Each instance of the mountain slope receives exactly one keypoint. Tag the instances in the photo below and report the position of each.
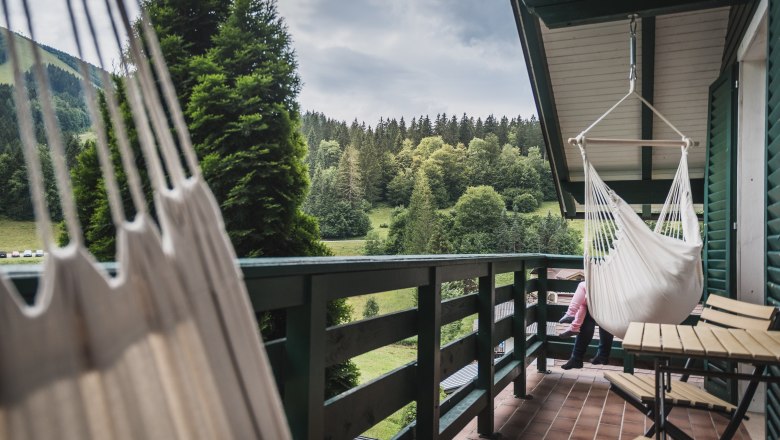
(50, 55)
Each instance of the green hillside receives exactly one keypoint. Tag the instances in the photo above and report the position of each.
(51, 56)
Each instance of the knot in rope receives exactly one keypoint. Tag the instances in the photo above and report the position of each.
(580, 140)
(688, 144)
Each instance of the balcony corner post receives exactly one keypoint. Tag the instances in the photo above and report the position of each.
(429, 356)
(485, 349)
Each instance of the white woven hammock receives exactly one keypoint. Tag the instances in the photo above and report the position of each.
(634, 273)
(169, 348)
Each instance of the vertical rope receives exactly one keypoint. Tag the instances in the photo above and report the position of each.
(155, 107)
(104, 155)
(160, 67)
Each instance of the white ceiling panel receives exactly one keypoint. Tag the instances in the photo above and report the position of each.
(588, 68)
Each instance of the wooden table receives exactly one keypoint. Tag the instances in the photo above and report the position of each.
(664, 341)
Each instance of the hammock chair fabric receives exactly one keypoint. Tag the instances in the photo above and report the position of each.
(166, 348)
(634, 273)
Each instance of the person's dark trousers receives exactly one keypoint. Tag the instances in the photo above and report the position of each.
(586, 335)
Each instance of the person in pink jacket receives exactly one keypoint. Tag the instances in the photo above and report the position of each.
(575, 315)
(579, 318)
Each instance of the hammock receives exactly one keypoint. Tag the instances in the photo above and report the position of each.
(167, 348)
(633, 273)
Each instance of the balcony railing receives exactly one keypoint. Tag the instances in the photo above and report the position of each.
(302, 287)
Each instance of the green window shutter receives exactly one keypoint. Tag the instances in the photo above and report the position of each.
(773, 198)
(719, 189)
(719, 209)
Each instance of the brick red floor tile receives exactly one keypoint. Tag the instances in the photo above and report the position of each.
(577, 405)
(563, 424)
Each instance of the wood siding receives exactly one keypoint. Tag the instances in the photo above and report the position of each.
(589, 73)
(739, 20)
(687, 60)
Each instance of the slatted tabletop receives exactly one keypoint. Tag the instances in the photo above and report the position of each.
(703, 341)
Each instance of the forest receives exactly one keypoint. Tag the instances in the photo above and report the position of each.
(457, 185)
(72, 116)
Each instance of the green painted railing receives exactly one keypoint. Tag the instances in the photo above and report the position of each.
(302, 287)
(301, 358)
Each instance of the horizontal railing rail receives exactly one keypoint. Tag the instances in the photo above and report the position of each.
(303, 287)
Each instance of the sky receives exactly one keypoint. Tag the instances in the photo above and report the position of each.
(367, 58)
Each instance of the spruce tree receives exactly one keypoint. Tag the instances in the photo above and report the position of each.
(465, 130)
(185, 29)
(246, 123)
(421, 217)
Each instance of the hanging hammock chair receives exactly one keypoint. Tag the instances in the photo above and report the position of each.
(633, 273)
(168, 347)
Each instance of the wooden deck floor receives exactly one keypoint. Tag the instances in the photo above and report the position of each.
(577, 405)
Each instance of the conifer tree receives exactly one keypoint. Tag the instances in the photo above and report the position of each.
(421, 217)
(450, 134)
(371, 167)
(245, 121)
(465, 130)
(349, 180)
(185, 29)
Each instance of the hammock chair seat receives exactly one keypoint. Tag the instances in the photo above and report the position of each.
(646, 276)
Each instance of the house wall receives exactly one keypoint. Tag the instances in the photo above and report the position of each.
(772, 201)
(751, 160)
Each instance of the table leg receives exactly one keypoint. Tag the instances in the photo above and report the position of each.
(659, 403)
(739, 413)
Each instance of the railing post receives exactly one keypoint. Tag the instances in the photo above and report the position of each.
(518, 329)
(304, 391)
(428, 356)
(486, 371)
(541, 313)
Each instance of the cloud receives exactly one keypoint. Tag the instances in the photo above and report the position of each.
(366, 59)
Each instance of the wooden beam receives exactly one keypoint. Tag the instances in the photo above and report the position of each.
(638, 191)
(529, 30)
(563, 13)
